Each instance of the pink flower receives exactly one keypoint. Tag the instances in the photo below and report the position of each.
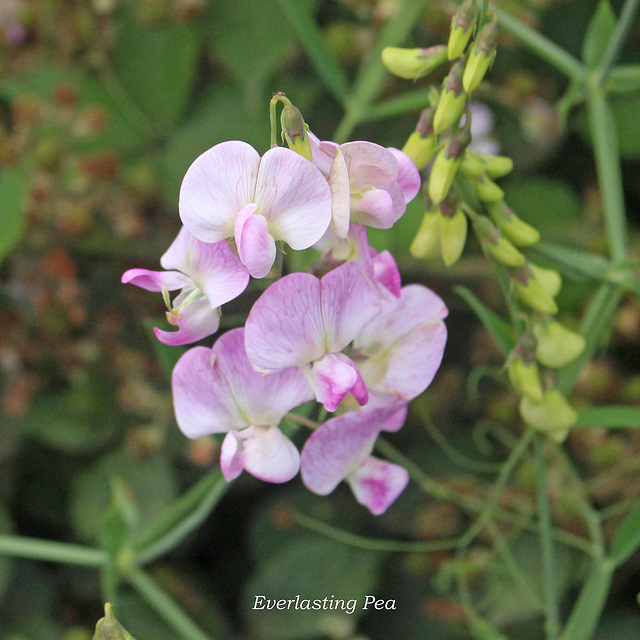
(218, 391)
(231, 192)
(208, 275)
(306, 322)
(370, 184)
(341, 450)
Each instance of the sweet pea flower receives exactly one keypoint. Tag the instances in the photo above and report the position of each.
(231, 192)
(218, 391)
(341, 450)
(370, 184)
(208, 275)
(303, 321)
(399, 352)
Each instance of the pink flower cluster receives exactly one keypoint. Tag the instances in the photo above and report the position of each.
(354, 339)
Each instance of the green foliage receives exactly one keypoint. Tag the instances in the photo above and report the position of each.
(599, 33)
(13, 189)
(627, 538)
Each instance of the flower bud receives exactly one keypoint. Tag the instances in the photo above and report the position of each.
(497, 166)
(452, 100)
(294, 131)
(453, 230)
(472, 165)
(554, 415)
(532, 293)
(488, 190)
(461, 28)
(421, 145)
(426, 244)
(447, 162)
(481, 56)
(496, 244)
(522, 369)
(550, 279)
(557, 345)
(412, 64)
(108, 628)
(518, 231)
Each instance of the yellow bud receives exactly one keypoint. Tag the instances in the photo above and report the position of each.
(550, 279)
(420, 150)
(443, 172)
(481, 57)
(489, 191)
(525, 378)
(497, 166)
(518, 231)
(532, 293)
(452, 100)
(503, 251)
(453, 235)
(426, 244)
(471, 165)
(557, 345)
(412, 64)
(461, 29)
(554, 415)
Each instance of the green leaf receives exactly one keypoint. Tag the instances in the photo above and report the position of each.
(119, 519)
(621, 417)
(499, 329)
(156, 66)
(627, 538)
(625, 78)
(13, 188)
(599, 33)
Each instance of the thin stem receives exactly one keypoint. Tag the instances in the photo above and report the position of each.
(307, 422)
(407, 102)
(619, 37)
(165, 606)
(550, 577)
(35, 549)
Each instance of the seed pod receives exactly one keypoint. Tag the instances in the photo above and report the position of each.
(461, 28)
(532, 293)
(554, 415)
(496, 244)
(518, 231)
(452, 100)
(482, 55)
(489, 191)
(426, 244)
(453, 230)
(421, 144)
(412, 64)
(557, 345)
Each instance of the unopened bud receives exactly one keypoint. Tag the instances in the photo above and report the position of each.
(518, 231)
(481, 56)
(554, 415)
(453, 231)
(446, 164)
(421, 144)
(550, 279)
(496, 244)
(412, 64)
(295, 132)
(497, 166)
(461, 28)
(488, 190)
(108, 628)
(523, 369)
(532, 293)
(452, 100)
(472, 165)
(557, 345)
(426, 244)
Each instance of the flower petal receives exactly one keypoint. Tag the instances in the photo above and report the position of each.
(386, 273)
(376, 484)
(369, 164)
(285, 328)
(374, 208)
(339, 447)
(197, 320)
(294, 197)
(155, 280)
(332, 377)
(269, 455)
(256, 247)
(231, 462)
(341, 194)
(216, 186)
(349, 303)
(408, 175)
(323, 153)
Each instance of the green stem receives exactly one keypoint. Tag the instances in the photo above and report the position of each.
(165, 606)
(624, 79)
(550, 577)
(619, 37)
(372, 76)
(35, 549)
(407, 102)
(542, 46)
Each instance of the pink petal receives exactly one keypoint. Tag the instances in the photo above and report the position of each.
(376, 484)
(386, 273)
(332, 377)
(231, 462)
(294, 197)
(339, 447)
(270, 456)
(369, 164)
(285, 327)
(323, 153)
(374, 208)
(197, 320)
(408, 175)
(176, 257)
(216, 186)
(349, 303)
(256, 248)
(155, 280)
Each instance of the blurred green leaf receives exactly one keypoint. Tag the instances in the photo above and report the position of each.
(314, 569)
(498, 328)
(13, 188)
(6, 564)
(156, 66)
(599, 33)
(150, 481)
(625, 417)
(627, 538)
(118, 520)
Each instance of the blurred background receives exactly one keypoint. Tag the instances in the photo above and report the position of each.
(103, 106)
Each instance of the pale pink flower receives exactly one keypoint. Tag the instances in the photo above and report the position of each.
(231, 192)
(218, 391)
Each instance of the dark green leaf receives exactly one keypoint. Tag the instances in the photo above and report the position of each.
(13, 187)
(627, 538)
(624, 417)
(599, 33)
